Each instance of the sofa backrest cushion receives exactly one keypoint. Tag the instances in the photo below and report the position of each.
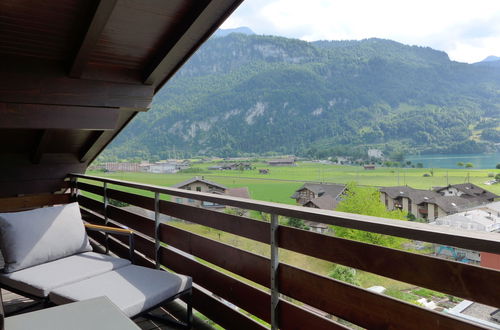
(34, 237)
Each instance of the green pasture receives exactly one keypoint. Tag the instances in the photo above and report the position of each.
(281, 182)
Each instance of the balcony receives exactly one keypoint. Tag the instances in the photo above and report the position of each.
(235, 287)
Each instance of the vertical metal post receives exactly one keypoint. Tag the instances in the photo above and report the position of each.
(74, 190)
(106, 202)
(274, 271)
(157, 229)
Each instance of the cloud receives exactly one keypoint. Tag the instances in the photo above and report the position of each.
(467, 30)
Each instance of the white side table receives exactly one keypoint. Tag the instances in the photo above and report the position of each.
(97, 313)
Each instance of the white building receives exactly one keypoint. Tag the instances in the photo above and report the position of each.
(375, 153)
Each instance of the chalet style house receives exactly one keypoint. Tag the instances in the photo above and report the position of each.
(439, 202)
(319, 195)
(201, 185)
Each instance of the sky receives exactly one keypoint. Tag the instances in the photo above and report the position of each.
(468, 31)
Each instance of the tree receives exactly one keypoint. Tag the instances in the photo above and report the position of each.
(420, 165)
(469, 165)
(498, 166)
(345, 274)
(497, 177)
(460, 164)
(366, 201)
(297, 223)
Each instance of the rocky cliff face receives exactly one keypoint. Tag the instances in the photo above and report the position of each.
(253, 94)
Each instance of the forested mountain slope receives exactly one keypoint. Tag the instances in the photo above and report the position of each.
(254, 94)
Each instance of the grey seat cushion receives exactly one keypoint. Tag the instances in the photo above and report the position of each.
(42, 279)
(34, 237)
(134, 289)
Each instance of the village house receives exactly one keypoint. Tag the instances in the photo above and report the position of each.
(120, 167)
(202, 185)
(370, 167)
(468, 191)
(320, 196)
(282, 162)
(430, 204)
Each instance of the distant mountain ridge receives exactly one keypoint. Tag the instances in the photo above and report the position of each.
(492, 61)
(242, 30)
(254, 94)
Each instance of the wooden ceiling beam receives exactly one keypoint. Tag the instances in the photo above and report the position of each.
(28, 80)
(205, 21)
(101, 17)
(42, 144)
(43, 116)
(89, 149)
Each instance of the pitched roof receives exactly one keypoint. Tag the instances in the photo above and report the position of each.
(470, 190)
(417, 196)
(319, 189)
(325, 202)
(198, 179)
(454, 204)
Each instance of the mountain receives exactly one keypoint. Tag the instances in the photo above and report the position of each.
(243, 94)
(492, 61)
(241, 29)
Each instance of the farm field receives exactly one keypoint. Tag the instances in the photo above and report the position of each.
(281, 182)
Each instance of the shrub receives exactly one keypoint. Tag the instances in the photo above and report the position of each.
(345, 274)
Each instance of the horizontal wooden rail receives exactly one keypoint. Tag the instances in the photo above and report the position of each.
(293, 317)
(233, 224)
(130, 198)
(98, 190)
(248, 298)
(136, 222)
(442, 275)
(367, 309)
(91, 204)
(240, 262)
(309, 288)
(473, 240)
(224, 315)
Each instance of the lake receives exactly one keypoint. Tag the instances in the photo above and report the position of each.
(480, 161)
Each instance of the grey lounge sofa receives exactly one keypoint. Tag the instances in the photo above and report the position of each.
(48, 257)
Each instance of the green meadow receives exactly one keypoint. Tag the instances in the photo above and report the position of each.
(281, 182)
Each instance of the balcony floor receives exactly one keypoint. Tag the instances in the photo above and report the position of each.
(13, 302)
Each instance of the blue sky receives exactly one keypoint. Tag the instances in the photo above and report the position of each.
(468, 31)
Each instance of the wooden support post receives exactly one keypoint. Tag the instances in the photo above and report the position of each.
(157, 229)
(106, 220)
(274, 271)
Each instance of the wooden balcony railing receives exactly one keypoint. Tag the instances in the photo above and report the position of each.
(281, 285)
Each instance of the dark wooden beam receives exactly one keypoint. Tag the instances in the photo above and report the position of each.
(34, 81)
(101, 17)
(88, 150)
(206, 19)
(44, 116)
(41, 146)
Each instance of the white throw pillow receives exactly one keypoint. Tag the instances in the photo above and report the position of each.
(34, 237)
